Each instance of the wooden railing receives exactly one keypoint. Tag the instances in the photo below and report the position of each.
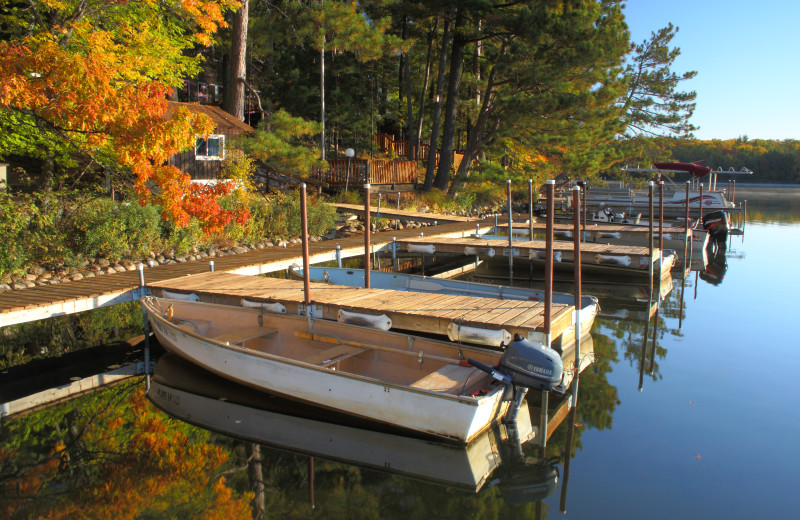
(387, 143)
(357, 172)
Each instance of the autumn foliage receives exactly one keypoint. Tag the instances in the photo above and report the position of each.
(89, 79)
(127, 460)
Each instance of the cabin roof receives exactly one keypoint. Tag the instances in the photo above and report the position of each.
(221, 118)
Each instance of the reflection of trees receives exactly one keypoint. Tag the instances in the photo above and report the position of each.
(110, 454)
(55, 336)
(630, 335)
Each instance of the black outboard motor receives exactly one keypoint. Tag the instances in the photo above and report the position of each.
(527, 364)
(716, 225)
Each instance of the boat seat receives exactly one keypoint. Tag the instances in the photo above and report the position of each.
(450, 379)
(333, 355)
(240, 336)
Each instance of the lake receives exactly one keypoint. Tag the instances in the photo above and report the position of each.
(688, 415)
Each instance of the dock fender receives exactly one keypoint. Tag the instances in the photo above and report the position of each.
(191, 297)
(380, 322)
(421, 248)
(480, 336)
(623, 260)
(474, 251)
(607, 234)
(266, 306)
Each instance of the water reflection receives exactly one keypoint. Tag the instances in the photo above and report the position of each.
(197, 397)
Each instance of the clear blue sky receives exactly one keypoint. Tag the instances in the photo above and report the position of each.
(747, 57)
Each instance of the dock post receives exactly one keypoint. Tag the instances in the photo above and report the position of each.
(211, 265)
(543, 419)
(397, 220)
(650, 221)
(146, 325)
(548, 261)
(660, 234)
(378, 211)
(530, 209)
(306, 274)
(700, 205)
(576, 225)
(686, 232)
(338, 255)
(367, 232)
(510, 238)
(394, 254)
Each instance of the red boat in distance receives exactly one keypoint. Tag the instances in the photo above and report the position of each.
(698, 170)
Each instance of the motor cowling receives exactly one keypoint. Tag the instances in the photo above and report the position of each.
(532, 365)
(716, 223)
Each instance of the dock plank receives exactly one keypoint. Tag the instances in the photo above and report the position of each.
(408, 310)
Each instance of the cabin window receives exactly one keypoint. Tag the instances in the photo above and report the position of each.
(210, 149)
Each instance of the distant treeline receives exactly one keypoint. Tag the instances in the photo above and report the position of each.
(772, 161)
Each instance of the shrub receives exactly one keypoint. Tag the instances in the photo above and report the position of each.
(112, 230)
(281, 216)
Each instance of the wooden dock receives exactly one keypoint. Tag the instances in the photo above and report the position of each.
(388, 212)
(43, 302)
(421, 312)
(598, 257)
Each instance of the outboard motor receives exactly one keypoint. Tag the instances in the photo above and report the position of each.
(716, 225)
(613, 216)
(527, 364)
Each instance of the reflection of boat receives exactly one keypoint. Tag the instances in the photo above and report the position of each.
(408, 282)
(410, 382)
(715, 264)
(200, 398)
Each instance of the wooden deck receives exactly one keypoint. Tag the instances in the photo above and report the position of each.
(624, 229)
(42, 302)
(388, 212)
(423, 312)
(532, 249)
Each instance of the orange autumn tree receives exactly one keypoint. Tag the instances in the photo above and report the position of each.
(85, 82)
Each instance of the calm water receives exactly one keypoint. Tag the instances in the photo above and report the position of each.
(703, 425)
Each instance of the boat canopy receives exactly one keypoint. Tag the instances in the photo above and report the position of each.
(698, 170)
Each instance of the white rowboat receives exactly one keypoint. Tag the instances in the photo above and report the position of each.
(405, 381)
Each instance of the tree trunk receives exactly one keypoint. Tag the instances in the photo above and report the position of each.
(234, 95)
(449, 129)
(424, 91)
(437, 107)
(478, 135)
(409, 102)
(256, 475)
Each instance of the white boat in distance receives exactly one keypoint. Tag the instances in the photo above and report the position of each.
(404, 381)
(410, 282)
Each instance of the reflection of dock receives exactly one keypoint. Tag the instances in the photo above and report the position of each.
(424, 312)
(46, 382)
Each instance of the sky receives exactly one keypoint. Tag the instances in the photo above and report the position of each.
(747, 58)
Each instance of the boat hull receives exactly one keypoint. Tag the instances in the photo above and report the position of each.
(456, 417)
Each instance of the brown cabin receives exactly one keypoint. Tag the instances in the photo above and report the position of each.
(204, 161)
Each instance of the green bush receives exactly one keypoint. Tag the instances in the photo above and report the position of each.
(182, 240)
(15, 217)
(112, 230)
(281, 216)
(34, 230)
